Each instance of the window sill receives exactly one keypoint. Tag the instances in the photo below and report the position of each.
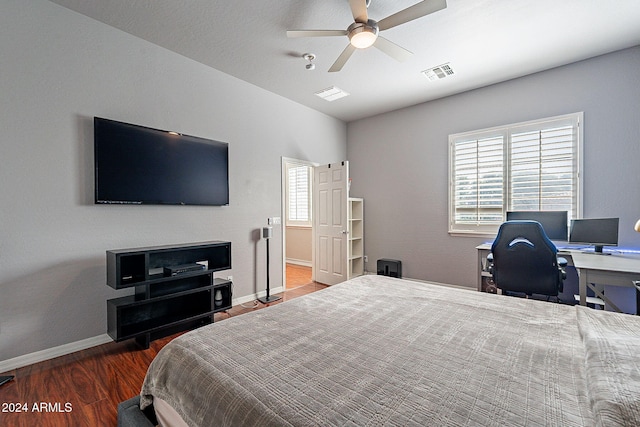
(478, 234)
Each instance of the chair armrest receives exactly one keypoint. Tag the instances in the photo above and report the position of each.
(562, 263)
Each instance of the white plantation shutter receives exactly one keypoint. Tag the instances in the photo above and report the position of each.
(478, 177)
(543, 169)
(528, 166)
(298, 209)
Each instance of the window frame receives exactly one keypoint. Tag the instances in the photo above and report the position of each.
(490, 228)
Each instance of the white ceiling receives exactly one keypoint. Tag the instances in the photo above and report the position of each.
(485, 42)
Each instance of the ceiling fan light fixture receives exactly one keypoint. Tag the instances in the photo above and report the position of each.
(363, 34)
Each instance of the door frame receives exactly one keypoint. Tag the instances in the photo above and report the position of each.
(283, 215)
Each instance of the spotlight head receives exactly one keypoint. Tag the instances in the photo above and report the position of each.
(310, 66)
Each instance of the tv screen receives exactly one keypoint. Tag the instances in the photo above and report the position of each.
(140, 165)
(598, 232)
(554, 223)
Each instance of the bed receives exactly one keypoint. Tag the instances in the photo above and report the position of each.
(377, 350)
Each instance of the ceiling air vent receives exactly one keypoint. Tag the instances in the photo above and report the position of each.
(332, 93)
(439, 72)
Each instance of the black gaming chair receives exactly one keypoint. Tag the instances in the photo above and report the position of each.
(524, 260)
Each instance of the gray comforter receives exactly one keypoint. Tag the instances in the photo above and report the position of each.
(382, 351)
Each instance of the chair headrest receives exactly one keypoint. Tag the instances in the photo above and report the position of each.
(526, 232)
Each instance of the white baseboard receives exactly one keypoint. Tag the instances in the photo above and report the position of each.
(50, 353)
(253, 297)
(300, 262)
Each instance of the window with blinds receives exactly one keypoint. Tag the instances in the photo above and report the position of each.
(298, 195)
(525, 166)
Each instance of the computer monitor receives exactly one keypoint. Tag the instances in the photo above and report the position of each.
(554, 223)
(597, 232)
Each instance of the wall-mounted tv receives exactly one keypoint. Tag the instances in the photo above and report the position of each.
(140, 165)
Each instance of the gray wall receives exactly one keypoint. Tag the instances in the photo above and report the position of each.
(58, 69)
(399, 160)
(298, 245)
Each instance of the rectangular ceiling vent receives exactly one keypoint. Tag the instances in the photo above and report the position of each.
(332, 93)
(439, 72)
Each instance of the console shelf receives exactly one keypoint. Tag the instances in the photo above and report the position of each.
(174, 289)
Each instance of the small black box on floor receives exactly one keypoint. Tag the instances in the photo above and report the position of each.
(390, 267)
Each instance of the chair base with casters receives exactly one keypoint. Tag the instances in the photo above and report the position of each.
(523, 260)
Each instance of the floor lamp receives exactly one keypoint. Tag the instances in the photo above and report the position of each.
(266, 234)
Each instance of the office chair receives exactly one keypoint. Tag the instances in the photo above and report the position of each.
(524, 260)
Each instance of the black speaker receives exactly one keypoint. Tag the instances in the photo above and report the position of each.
(488, 285)
(390, 267)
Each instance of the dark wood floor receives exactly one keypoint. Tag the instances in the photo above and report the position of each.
(84, 388)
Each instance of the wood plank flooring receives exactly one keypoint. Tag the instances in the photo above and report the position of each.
(84, 388)
(297, 275)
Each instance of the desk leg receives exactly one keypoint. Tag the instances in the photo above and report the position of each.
(582, 286)
(583, 282)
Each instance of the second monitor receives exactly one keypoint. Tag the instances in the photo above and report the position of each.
(598, 232)
(554, 223)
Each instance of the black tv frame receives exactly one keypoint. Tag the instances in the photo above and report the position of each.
(139, 165)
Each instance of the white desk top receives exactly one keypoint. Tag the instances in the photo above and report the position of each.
(626, 263)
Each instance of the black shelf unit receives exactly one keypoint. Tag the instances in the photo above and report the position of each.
(165, 304)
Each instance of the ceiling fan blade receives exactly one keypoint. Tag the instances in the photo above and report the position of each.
(342, 59)
(393, 50)
(416, 11)
(315, 33)
(359, 10)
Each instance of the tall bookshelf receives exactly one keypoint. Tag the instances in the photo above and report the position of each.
(356, 237)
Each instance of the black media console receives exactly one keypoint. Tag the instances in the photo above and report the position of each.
(174, 289)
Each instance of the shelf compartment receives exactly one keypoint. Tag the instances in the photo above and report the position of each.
(217, 257)
(131, 267)
(357, 266)
(175, 284)
(356, 248)
(129, 270)
(226, 289)
(128, 317)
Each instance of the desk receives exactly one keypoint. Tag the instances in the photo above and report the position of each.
(617, 269)
(613, 270)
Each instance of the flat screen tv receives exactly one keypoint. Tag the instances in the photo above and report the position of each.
(141, 165)
(554, 223)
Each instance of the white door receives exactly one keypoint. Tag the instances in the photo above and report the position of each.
(330, 222)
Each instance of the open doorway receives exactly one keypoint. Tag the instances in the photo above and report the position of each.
(297, 181)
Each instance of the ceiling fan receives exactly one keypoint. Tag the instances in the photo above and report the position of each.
(363, 33)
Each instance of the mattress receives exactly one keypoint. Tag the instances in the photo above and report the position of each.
(376, 351)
